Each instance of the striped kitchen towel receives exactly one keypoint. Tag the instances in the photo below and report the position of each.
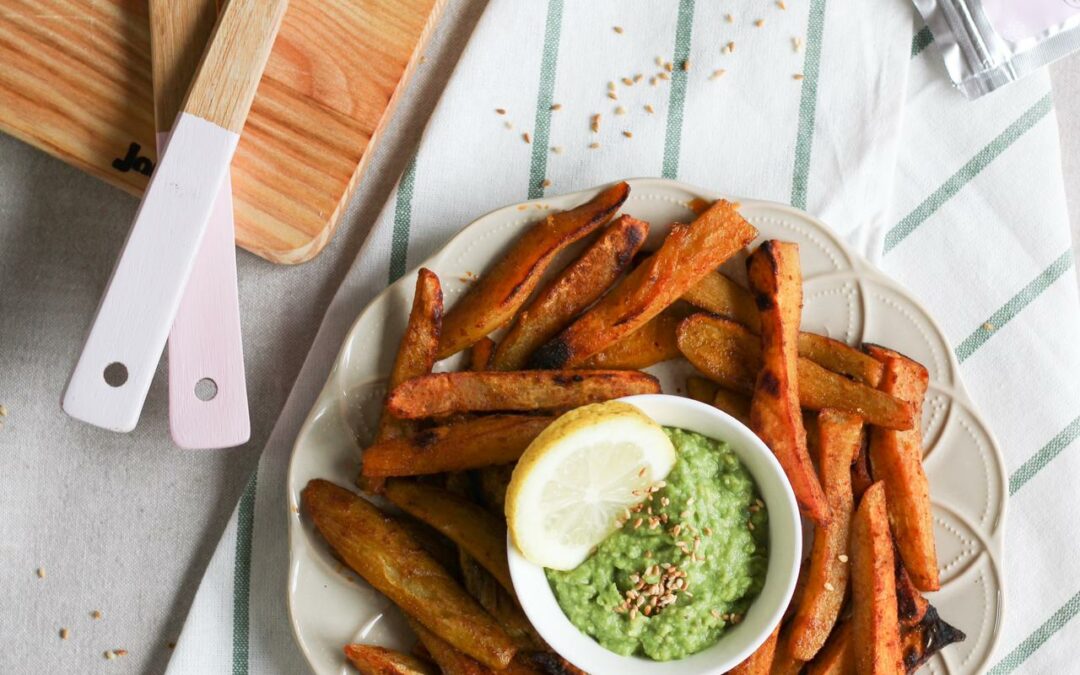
(842, 109)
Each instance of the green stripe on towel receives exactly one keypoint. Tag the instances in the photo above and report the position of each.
(245, 520)
(921, 41)
(1044, 456)
(1037, 639)
(544, 98)
(399, 240)
(804, 142)
(677, 100)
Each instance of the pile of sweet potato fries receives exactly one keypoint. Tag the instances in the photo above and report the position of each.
(842, 421)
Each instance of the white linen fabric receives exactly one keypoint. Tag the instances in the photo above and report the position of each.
(835, 108)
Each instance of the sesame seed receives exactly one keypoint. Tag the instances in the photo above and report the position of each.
(95, 615)
(781, 4)
(690, 501)
(661, 484)
(731, 47)
(110, 655)
(628, 82)
(613, 96)
(652, 81)
(988, 327)
(557, 149)
(668, 67)
(611, 86)
(594, 123)
(649, 109)
(842, 558)
(676, 530)
(500, 111)
(64, 633)
(730, 18)
(637, 78)
(797, 44)
(628, 134)
(556, 106)
(594, 145)
(41, 572)
(664, 501)
(829, 587)
(641, 472)
(759, 23)
(617, 29)
(620, 110)
(545, 183)
(685, 514)
(798, 76)
(663, 75)
(715, 613)
(750, 525)
(509, 124)
(686, 65)
(718, 73)
(526, 137)
(760, 504)
(3, 410)
(637, 523)
(707, 531)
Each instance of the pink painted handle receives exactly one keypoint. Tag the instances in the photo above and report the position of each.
(208, 405)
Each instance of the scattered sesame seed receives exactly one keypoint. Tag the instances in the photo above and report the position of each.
(781, 4)
(759, 23)
(509, 124)
(760, 504)
(594, 123)
(557, 149)
(556, 106)
(637, 523)
(797, 44)
(110, 655)
(3, 410)
(171, 645)
(637, 78)
(731, 47)
(750, 525)
(500, 111)
(95, 615)
(707, 531)
(627, 81)
(64, 633)
(685, 514)
(620, 110)
(594, 145)
(652, 81)
(611, 86)
(988, 326)
(545, 183)
(798, 76)
(690, 501)
(642, 471)
(663, 75)
(686, 66)
(617, 29)
(715, 613)
(842, 558)
(613, 96)
(661, 483)
(628, 134)
(718, 73)
(829, 587)
(526, 137)
(668, 66)
(730, 18)
(649, 109)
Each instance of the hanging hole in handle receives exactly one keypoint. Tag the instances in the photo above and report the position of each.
(206, 389)
(116, 374)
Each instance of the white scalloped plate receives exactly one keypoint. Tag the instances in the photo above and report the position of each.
(845, 298)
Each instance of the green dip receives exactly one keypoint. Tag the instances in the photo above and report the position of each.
(709, 495)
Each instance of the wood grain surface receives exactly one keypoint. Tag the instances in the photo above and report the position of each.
(179, 32)
(76, 82)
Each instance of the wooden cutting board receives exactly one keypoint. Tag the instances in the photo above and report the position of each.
(75, 82)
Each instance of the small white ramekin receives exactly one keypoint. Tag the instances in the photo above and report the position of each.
(785, 552)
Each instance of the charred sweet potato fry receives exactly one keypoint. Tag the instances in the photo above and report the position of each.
(470, 444)
(775, 415)
(688, 253)
(911, 606)
(730, 355)
(377, 548)
(760, 662)
(717, 294)
(926, 638)
(896, 459)
(576, 287)
(875, 624)
(471, 527)
(372, 660)
(492, 301)
(652, 343)
(733, 403)
(480, 354)
(839, 438)
(835, 657)
(445, 393)
(415, 357)
(861, 476)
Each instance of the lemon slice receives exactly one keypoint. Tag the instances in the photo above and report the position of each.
(578, 478)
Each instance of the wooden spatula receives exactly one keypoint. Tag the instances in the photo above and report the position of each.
(109, 383)
(207, 393)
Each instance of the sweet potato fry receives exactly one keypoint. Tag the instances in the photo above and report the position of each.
(927, 637)
(470, 444)
(784, 663)
(576, 287)
(735, 404)
(835, 657)
(875, 624)
(453, 662)
(471, 527)
(911, 606)
(861, 476)
(492, 301)
(480, 354)
(729, 355)
(719, 295)
(383, 553)
(415, 357)
(446, 393)
(372, 660)
(688, 253)
(486, 589)
(839, 438)
(775, 416)
(652, 343)
(896, 459)
(840, 358)
(760, 662)
(701, 389)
